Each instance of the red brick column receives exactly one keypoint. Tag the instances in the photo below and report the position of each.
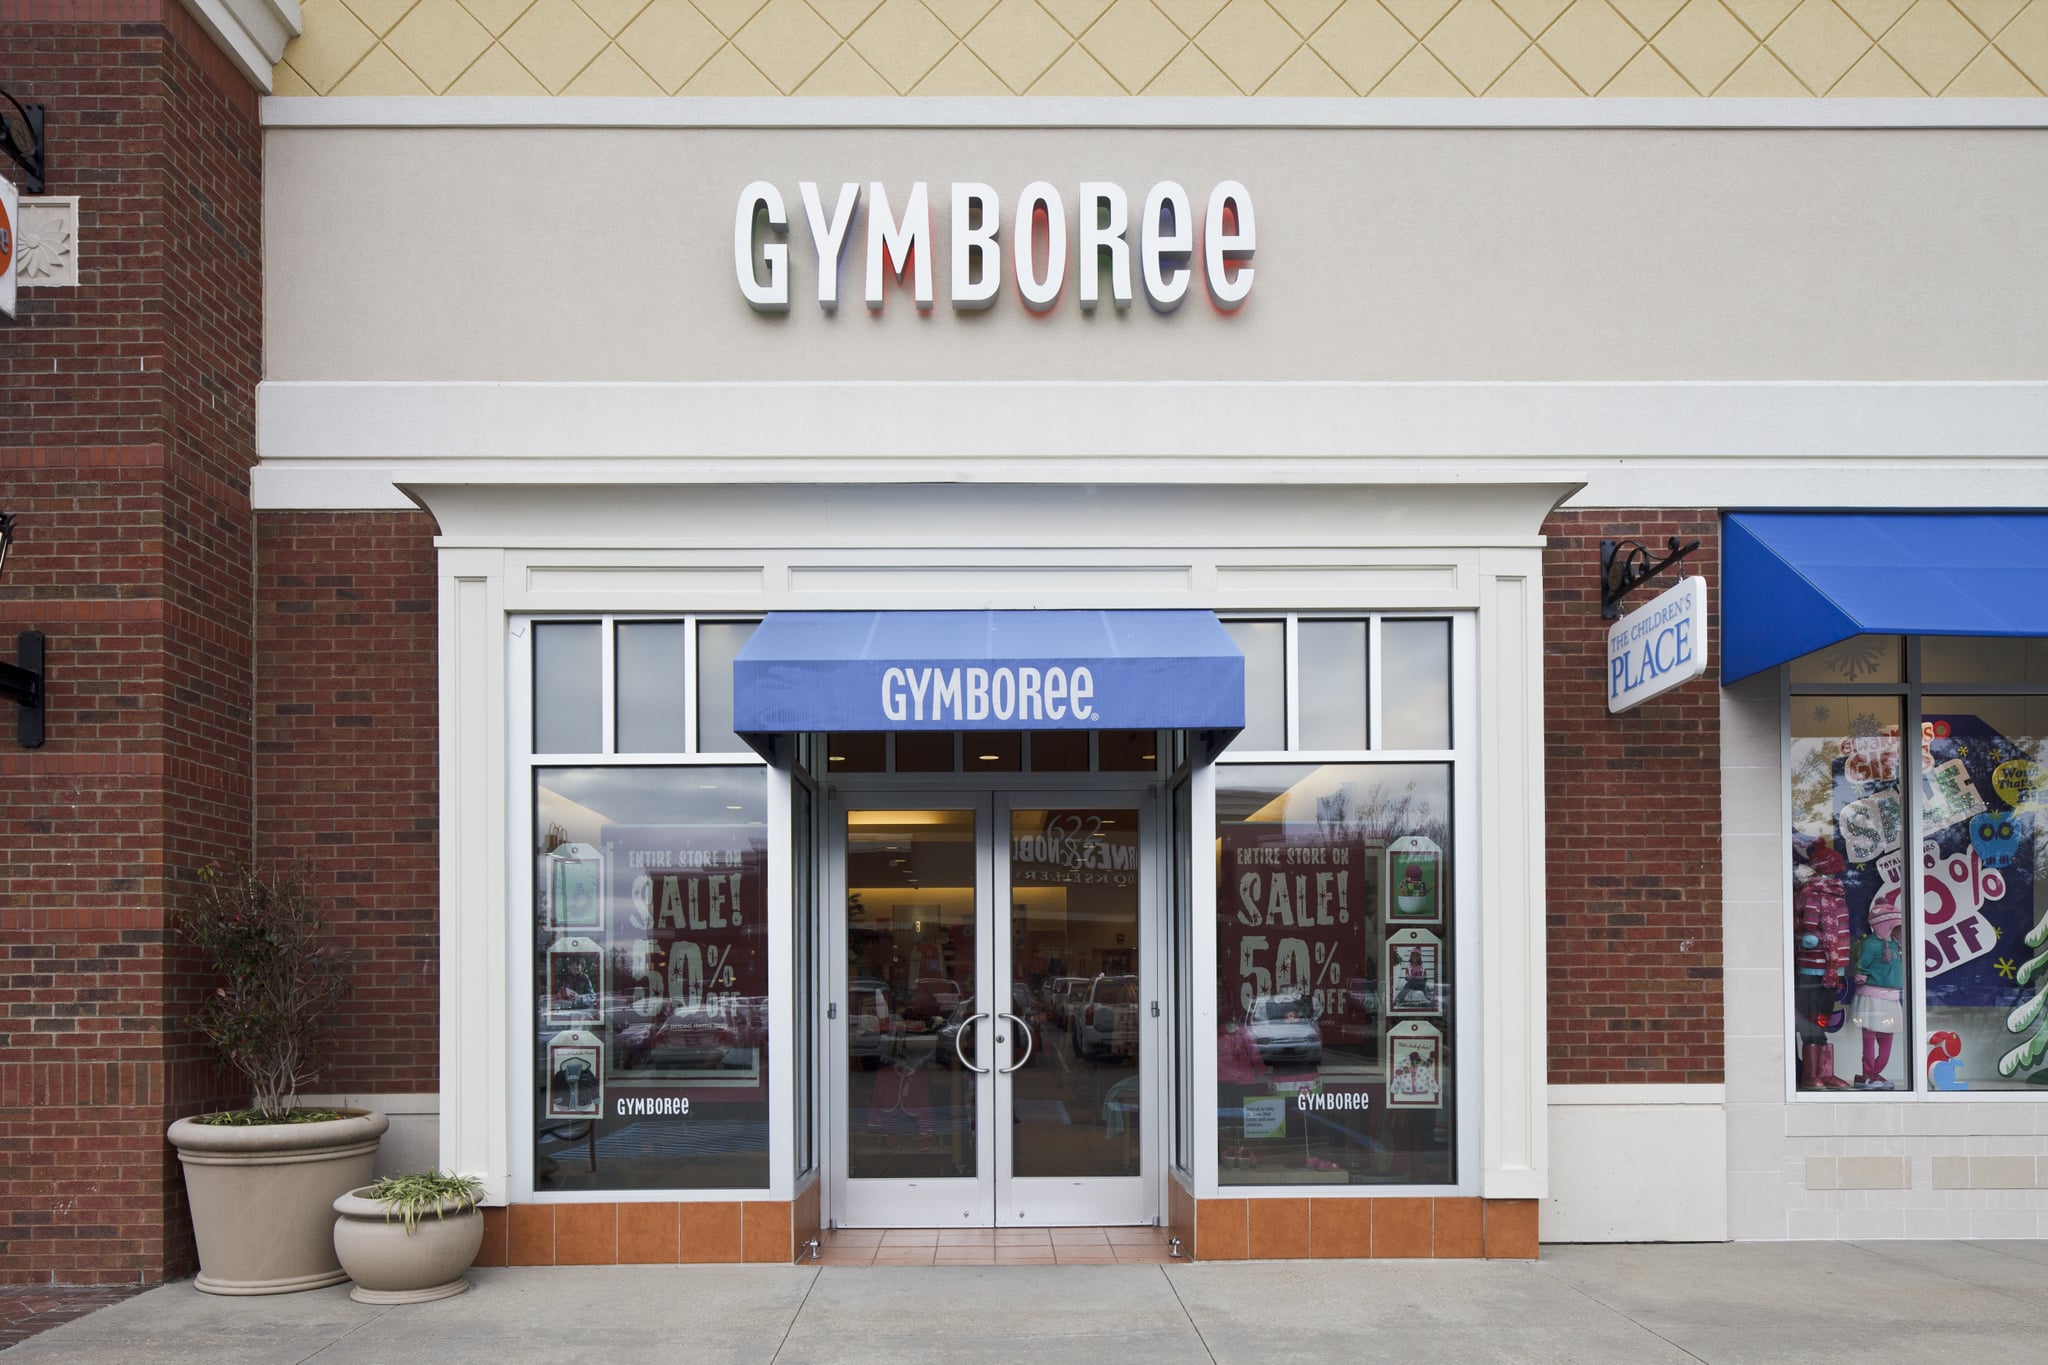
(1634, 827)
(126, 436)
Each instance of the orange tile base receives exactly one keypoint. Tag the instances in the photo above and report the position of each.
(1294, 1229)
(654, 1233)
(1208, 1229)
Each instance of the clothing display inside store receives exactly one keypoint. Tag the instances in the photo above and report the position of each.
(1980, 946)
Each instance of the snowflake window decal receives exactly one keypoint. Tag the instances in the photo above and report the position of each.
(1853, 658)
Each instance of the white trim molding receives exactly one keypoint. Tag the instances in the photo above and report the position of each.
(252, 33)
(568, 546)
(1634, 444)
(1124, 112)
(1514, 1146)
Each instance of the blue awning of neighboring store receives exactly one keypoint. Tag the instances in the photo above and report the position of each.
(1793, 582)
(988, 670)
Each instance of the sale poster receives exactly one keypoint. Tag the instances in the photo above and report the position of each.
(1298, 918)
(688, 953)
(1977, 894)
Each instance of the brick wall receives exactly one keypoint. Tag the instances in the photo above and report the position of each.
(1634, 828)
(347, 762)
(126, 435)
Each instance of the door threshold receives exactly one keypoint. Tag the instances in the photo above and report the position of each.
(993, 1246)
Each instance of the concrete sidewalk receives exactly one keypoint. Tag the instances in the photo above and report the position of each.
(1778, 1302)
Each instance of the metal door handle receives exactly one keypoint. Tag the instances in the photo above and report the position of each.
(960, 1033)
(1029, 1042)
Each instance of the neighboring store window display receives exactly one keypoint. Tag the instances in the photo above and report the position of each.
(1979, 949)
(1337, 1044)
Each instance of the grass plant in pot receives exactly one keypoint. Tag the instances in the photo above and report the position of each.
(263, 1180)
(408, 1238)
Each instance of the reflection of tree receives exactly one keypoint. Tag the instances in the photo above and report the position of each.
(1379, 812)
(1813, 784)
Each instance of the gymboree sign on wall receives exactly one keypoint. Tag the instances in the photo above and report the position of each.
(1111, 254)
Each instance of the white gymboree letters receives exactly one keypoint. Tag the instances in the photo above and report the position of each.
(901, 245)
(975, 694)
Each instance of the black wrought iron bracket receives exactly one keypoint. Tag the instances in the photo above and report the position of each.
(1626, 565)
(24, 684)
(31, 159)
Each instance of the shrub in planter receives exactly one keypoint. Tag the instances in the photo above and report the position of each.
(408, 1238)
(262, 1181)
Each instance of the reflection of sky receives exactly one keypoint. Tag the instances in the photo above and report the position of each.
(583, 801)
(1415, 681)
(1375, 798)
(1264, 645)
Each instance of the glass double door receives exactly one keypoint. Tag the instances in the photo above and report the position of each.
(994, 1028)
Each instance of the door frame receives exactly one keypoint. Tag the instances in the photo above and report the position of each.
(993, 1198)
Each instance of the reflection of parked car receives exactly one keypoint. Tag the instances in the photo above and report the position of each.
(1285, 1031)
(676, 1040)
(1060, 998)
(1106, 1024)
(869, 1023)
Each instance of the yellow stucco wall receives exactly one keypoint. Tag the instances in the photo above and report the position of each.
(1170, 47)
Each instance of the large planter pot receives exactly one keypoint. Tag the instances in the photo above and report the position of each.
(263, 1198)
(391, 1265)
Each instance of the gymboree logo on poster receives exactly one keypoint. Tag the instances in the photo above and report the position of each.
(1113, 255)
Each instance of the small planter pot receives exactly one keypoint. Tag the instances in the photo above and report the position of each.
(263, 1196)
(390, 1265)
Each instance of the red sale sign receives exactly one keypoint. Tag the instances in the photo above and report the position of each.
(1957, 888)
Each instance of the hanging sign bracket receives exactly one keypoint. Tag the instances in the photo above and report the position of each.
(1626, 565)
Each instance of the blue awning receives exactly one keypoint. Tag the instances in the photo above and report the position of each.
(988, 670)
(1793, 582)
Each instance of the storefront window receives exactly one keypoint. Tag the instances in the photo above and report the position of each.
(651, 978)
(1848, 911)
(1336, 1054)
(1984, 941)
(1963, 931)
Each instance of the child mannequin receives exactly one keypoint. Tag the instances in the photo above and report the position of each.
(1880, 972)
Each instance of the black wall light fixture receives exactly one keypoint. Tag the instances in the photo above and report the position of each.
(28, 152)
(23, 683)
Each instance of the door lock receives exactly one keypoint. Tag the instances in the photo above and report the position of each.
(832, 1009)
(1155, 1009)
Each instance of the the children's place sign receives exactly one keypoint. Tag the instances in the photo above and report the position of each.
(1658, 646)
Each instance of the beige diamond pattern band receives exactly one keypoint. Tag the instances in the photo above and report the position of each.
(1681, 48)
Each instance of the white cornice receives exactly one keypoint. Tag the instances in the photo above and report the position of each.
(251, 32)
(1635, 444)
(427, 111)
